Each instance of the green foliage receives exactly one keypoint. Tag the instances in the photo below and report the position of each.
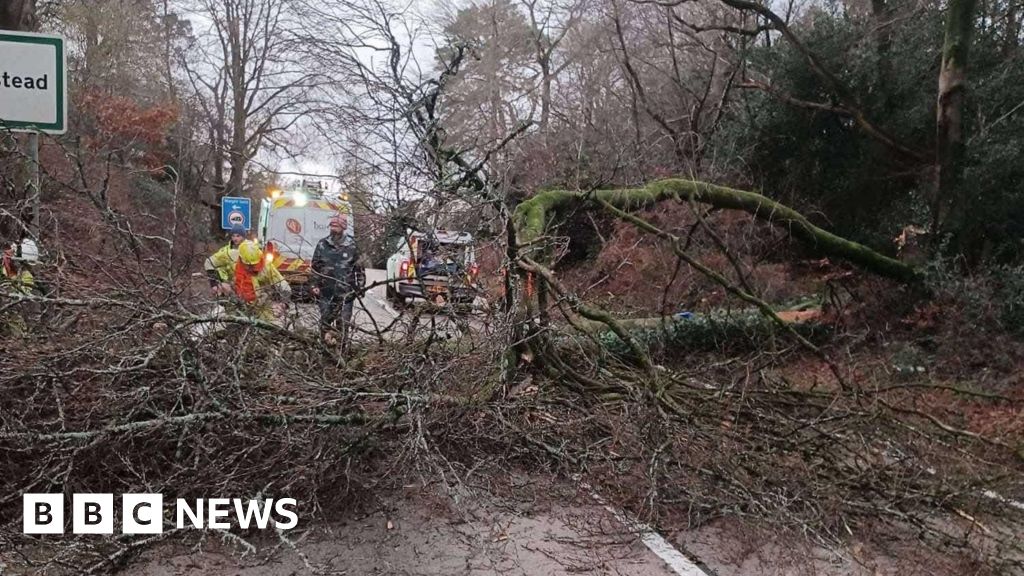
(992, 300)
(1010, 295)
(152, 196)
(820, 161)
(994, 171)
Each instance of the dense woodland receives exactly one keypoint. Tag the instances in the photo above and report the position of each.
(834, 190)
(868, 117)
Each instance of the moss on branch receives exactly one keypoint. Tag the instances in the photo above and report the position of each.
(745, 328)
(533, 216)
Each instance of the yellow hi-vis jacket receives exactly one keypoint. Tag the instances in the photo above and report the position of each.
(22, 282)
(223, 262)
(261, 286)
(258, 288)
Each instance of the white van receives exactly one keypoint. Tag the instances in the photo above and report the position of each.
(291, 223)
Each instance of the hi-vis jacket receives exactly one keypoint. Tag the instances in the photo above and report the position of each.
(13, 280)
(260, 287)
(22, 282)
(222, 263)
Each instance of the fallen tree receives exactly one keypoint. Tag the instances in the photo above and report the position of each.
(757, 432)
(533, 216)
(734, 329)
(118, 405)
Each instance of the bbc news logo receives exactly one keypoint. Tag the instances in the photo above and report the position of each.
(144, 513)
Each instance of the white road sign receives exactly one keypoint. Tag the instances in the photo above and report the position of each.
(33, 83)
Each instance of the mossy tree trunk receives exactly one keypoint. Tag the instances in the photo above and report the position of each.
(534, 215)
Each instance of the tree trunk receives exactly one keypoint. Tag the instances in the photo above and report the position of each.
(238, 158)
(534, 215)
(1012, 30)
(239, 111)
(90, 49)
(880, 14)
(948, 200)
(744, 328)
(218, 154)
(18, 15)
(545, 94)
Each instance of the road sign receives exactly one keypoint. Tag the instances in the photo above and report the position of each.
(33, 83)
(234, 212)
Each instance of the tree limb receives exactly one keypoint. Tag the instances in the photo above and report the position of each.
(536, 213)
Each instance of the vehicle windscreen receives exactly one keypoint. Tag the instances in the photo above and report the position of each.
(444, 259)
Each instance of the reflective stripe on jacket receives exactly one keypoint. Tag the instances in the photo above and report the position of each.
(222, 262)
(22, 281)
(259, 287)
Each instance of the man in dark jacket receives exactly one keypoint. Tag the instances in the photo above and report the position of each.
(337, 279)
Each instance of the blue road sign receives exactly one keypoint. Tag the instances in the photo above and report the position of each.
(234, 212)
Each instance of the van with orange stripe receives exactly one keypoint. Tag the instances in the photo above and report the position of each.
(292, 222)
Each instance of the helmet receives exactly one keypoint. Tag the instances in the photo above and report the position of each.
(28, 251)
(249, 253)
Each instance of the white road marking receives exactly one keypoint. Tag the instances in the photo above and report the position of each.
(1003, 500)
(676, 560)
(385, 306)
(992, 495)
